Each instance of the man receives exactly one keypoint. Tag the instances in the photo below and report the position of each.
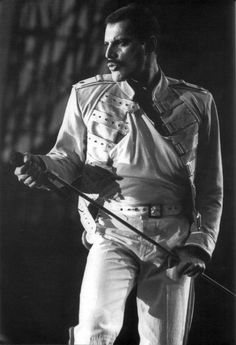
(147, 148)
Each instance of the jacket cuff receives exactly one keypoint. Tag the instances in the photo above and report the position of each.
(49, 165)
(200, 239)
(47, 161)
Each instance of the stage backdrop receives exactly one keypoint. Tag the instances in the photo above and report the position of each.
(46, 46)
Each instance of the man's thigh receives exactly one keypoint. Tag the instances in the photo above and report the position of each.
(165, 306)
(109, 276)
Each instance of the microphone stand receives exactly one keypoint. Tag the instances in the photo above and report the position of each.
(49, 177)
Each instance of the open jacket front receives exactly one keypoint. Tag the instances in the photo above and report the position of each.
(95, 122)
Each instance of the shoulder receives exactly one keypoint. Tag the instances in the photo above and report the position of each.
(99, 80)
(191, 93)
(197, 98)
(88, 91)
(183, 86)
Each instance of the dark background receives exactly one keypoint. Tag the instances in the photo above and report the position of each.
(46, 46)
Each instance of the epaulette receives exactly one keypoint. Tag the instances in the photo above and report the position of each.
(98, 79)
(183, 84)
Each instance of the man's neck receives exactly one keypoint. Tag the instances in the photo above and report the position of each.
(150, 77)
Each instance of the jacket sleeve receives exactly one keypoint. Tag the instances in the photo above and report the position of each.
(208, 181)
(68, 154)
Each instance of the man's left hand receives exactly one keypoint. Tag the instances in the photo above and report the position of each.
(192, 261)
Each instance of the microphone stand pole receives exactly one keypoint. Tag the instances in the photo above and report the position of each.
(52, 176)
(49, 177)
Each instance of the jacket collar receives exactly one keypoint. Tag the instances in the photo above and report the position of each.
(159, 89)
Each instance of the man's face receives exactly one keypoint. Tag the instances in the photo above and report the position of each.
(125, 54)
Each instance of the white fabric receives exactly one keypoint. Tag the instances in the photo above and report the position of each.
(149, 169)
(117, 261)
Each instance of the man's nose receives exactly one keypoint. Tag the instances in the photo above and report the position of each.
(110, 52)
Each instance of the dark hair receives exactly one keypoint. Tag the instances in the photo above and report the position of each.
(142, 20)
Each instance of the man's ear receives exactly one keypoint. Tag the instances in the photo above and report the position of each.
(151, 44)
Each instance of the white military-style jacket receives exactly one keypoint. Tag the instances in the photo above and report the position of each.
(95, 122)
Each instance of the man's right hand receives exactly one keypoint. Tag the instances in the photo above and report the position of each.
(31, 172)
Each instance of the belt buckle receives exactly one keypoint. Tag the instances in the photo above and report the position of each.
(155, 211)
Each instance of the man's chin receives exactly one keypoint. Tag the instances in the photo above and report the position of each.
(118, 76)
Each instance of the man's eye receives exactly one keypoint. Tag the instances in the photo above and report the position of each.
(123, 43)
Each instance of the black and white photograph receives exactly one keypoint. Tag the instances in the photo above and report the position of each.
(117, 198)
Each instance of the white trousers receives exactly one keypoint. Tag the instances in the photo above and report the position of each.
(120, 259)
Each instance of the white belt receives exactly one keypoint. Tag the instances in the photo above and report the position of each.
(153, 211)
